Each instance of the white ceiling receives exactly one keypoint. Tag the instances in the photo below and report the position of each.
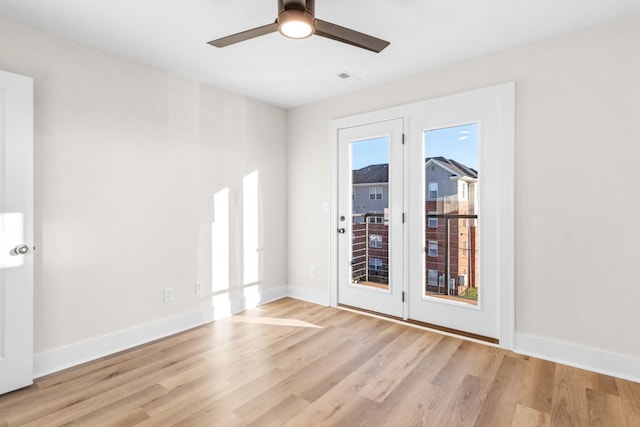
(424, 34)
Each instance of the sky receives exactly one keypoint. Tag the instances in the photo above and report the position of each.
(458, 143)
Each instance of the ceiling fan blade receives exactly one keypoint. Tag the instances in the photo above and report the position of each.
(245, 35)
(346, 35)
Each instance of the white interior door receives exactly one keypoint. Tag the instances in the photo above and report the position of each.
(16, 231)
(370, 217)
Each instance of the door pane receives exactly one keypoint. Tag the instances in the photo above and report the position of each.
(451, 213)
(370, 213)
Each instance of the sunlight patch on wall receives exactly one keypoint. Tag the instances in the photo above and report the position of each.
(220, 249)
(250, 228)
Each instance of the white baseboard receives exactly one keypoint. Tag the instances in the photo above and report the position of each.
(75, 354)
(592, 359)
(304, 294)
(596, 360)
(274, 294)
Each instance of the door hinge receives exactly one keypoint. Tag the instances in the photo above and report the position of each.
(402, 296)
(403, 139)
(403, 217)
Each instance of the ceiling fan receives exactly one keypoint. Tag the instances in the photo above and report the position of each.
(296, 19)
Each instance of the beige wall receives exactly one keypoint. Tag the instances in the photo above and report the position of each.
(127, 160)
(577, 194)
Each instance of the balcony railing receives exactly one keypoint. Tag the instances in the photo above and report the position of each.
(455, 257)
(370, 250)
(460, 260)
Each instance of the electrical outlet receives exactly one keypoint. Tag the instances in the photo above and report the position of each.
(168, 295)
(199, 288)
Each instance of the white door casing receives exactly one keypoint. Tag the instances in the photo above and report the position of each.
(493, 108)
(16, 231)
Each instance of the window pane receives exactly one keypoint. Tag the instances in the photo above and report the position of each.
(451, 201)
(370, 186)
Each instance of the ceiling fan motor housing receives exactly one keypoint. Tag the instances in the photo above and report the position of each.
(296, 18)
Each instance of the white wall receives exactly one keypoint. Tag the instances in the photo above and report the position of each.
(127, 161)
(577, 189)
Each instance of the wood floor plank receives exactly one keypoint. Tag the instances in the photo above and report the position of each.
(529, 417)
(391, 365)
(604, 409)
(499, 406)
(600, 382)
(326, 409)
(293, 363)
(537, 385)
(569, 397)
(280, 413)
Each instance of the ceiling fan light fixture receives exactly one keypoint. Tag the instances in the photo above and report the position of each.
(295, 24)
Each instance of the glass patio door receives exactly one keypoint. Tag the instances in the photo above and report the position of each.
(424, 221)
(370, 222)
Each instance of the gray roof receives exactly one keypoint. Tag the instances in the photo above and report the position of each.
(457, 167)
(380, 173)
(371, 174)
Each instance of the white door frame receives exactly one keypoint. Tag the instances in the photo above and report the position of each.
(505, 270)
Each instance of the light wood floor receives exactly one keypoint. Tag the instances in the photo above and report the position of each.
(291, 363)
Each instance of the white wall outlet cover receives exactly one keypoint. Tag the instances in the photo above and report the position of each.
(168, 295)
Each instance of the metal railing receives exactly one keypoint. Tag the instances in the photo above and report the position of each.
(449, 288)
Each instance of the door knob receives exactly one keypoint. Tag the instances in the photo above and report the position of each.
(341, 230)
(19, 250)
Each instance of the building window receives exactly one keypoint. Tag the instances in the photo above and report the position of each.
(433, 248)
(432, 277)
(433, 191)
(375, 193)
(464, 191)
(433, 222)
(375, 241)
(375, 264)
(375, 220)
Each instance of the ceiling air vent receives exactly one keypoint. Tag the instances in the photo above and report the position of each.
(345, 75)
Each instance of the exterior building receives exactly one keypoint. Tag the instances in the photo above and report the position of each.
(451, 191)
(370, 240)
(451, 200)
(370, 192)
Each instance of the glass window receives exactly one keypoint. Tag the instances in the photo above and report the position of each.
(432, 277)
(375, 193)
(375, 241)
(433, 248)
(432, 222)
(433, 191)
(375, 263)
